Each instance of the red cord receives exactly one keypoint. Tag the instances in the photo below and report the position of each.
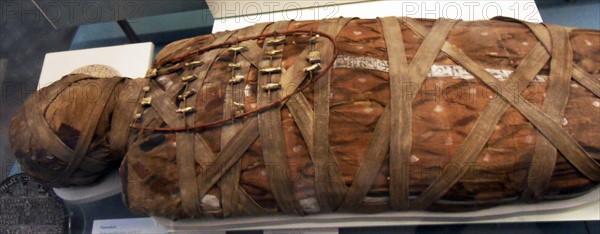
(279, 102)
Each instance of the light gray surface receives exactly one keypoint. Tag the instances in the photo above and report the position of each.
(584, 207)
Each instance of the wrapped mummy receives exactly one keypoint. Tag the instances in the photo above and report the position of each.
(360, 115)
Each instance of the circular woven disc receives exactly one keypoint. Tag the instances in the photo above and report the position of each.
(28, 207)
(97, 70)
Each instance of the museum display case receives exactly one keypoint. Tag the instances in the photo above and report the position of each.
(311, 115)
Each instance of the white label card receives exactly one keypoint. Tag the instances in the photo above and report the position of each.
(303, 231)
(136, 225)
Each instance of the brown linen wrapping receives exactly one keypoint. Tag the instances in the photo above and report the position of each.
(445, 108)
(414, 114)
(75, 130)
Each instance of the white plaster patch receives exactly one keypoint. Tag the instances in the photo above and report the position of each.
(290, 115)
(360, 47)
(310, 205)
(376, 199)
(362, 80)
(438, 108)
(263, 172)
(473, 91)
(540, 78)
(528, 139)
(449, 141)
(164, 80)
(357, 33)
(442, 71)
(344, 61)
(253, 105)
(247, 91)
(564, 121)
(525, 43)
(484, 33)
(486, 157)
(588, 43)
(596, 103)
(493, 53)
(368, 110)
(414, 159)
(297, 148)
(255, 164)
(575, 85)
(427, 134)
(174, 143)
(210, 200)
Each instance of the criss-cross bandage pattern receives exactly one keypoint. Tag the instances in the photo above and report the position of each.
(367, 115)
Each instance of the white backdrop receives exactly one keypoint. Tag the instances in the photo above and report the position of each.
(231, 15)
(132, 60)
